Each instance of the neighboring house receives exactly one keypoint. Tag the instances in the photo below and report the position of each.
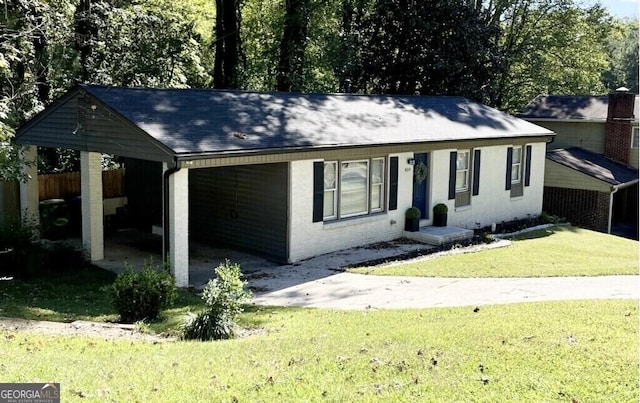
(591, 174)
(290, 175)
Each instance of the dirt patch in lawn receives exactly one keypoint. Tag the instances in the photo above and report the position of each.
(80, 328)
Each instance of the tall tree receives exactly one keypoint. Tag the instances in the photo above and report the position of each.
(622, 49)
(228, 45)
(430, 47)
(548, 46)
(290, 74)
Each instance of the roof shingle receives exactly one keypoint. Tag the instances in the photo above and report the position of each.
(594, 165)
(192, 121)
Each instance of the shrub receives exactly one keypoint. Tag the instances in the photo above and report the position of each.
(412, 213)
(224, 297)
(20, 254)
(142, 295)
(61, 257)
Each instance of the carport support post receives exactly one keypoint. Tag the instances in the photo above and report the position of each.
(179, 226)
(92, 204)
(29, 193)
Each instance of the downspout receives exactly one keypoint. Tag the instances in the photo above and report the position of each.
(165, 210)
(610, 219)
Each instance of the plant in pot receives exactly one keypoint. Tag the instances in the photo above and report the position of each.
(440, 215)
(412, 219)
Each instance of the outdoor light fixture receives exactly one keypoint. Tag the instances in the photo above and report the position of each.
(411, 161)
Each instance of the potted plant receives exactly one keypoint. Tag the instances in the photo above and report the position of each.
(440, 215)
(412, 219)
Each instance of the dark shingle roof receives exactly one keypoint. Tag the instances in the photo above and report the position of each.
(594, 165)
(190, 121)
(570, 107)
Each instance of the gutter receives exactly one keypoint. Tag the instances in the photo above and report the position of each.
(165, 210)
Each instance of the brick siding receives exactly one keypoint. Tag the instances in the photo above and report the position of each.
(617, 143)
(584, 208)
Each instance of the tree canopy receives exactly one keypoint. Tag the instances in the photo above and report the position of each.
(501, 52)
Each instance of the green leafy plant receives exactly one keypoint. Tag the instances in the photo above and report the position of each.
(142, 295)
(224, 297)
(20, 253)
(412, 213)
(440, 208)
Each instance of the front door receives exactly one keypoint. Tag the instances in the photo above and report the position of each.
(421, 184)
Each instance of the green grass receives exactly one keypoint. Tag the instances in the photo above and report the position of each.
(582, 350)
(80, 295)
(551, 252)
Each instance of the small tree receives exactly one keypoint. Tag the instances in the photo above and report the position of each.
(224, 297)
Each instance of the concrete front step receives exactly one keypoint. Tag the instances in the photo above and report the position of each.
(440, 235)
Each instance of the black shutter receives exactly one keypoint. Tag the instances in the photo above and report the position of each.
(476, 172)
(318, 191)
(527, 168)
(507, 182)
(453, 157)
(393, 183)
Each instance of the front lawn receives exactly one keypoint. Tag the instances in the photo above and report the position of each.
(80, 294)
(551, 252)
(561, 351)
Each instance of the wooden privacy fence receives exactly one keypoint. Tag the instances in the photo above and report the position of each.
(65, 185)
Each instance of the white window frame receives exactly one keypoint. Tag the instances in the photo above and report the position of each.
(370, 183)
(379, 185)
(341, 187)
(332, 190)
(465, 171)
(635, 137)
(516, 165)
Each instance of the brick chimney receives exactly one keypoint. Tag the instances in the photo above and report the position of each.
(617, 139)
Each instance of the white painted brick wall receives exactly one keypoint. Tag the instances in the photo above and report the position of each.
(309, 239)
(493, 203)
(179, 226)
(92, 206)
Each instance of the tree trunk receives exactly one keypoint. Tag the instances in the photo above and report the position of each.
(85, 32)
(289, 76)
(227, 44)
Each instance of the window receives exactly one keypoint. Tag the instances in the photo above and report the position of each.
(353, 188)
(462, 171)
(330, 189)
(377, 184)
(516, 165)
(634, 137)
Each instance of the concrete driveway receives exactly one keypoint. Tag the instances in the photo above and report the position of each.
(355, 291)
(321, 282)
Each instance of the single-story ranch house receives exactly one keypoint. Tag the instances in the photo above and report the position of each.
(292, 175)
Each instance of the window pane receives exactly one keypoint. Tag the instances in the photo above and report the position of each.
(377, 171)
(636, 137)
(462, 170)
(330, 175)
(515, 173)
(463, 160)
(329, 204)
(461, 180)
(517, 155)
(376, 198)
(353, 188)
